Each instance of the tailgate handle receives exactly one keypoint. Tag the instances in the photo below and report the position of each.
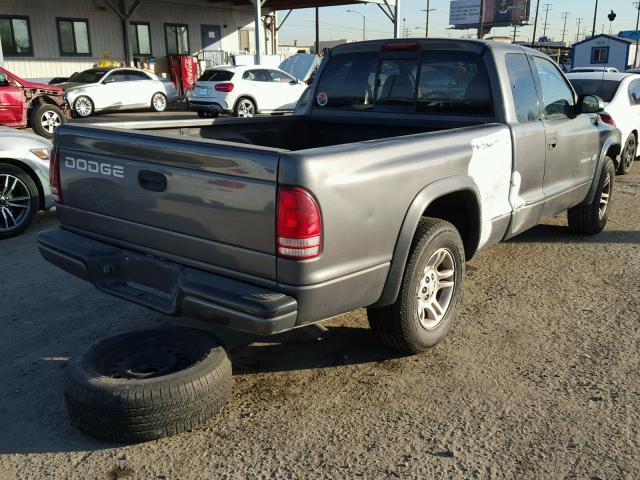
(154, 181)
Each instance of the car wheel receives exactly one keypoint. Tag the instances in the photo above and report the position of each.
(245, 108)
(425, 309)
(628, 155)
(45, 118)
(592, 218)
(208, 114)
(146, 385)
(19, 200)
(83, 106)
(159, 102)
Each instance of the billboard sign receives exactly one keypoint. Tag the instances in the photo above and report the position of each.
(497, 13)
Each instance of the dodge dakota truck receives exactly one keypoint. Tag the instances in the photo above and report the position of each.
(405, 158)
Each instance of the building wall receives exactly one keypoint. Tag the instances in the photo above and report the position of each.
(619, 53)
(105, 30)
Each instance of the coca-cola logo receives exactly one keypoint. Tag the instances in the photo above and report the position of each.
(189, 71)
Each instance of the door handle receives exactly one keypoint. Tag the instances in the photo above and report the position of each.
(153, 181)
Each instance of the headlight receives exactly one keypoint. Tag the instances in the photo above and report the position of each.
(41, 153)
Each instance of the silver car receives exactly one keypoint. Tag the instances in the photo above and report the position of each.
(24, 180)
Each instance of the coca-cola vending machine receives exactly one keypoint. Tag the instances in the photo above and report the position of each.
(184, 72)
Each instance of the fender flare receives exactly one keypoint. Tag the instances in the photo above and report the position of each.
(611, 141)
(420, 203)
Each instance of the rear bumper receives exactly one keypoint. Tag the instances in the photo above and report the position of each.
(168, 287)
(206, 107)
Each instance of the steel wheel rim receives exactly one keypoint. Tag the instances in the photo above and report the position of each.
(629, 152)
(50, 120)
(15, 202)
(605, 196)
(435, 289)
(245, 109)
(83, 107)
(159, 102)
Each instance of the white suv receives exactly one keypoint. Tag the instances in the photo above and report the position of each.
(244, 91)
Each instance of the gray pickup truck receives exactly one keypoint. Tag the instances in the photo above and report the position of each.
(404, 159)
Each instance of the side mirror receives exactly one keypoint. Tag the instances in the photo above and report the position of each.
(293, 82)
(590, 104)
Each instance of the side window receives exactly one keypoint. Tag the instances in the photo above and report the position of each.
(634, 92)
(133, 75)
(599, 54)
(4, 81)
(523, 88)
(119, 76)
(253, 75)
(556, 94)
(277, 76)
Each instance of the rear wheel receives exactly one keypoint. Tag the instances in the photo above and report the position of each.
(592, 218)
(83, 106)
(159, 102)
(245, 107)
(628, 155)
(45, 118)
(431, 285)
(19, 200)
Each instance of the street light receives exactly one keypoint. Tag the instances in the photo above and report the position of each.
(364, 23)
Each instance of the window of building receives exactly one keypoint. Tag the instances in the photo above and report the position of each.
(599, 54)
(73, 36)
(177, 38)
(556, 93)
(15, 36)
(140, 38)
(523, 88)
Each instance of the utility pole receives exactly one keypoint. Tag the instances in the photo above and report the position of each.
(637, 5)
(481, 23)
(595, 16)
(428, 10)
(547, 7)
(579, 22)
(565, 15)
(535, 25)
(515, 33)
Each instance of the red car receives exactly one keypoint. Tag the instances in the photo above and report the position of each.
(27, 104)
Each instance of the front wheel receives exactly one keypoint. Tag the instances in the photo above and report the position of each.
(45, 118)
(19, 200)
(432, 282)
(83, 106)
(592, 218)
(159, 102)
(628, 155)
(245, 108)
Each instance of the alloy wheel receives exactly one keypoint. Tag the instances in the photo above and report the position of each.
(159, 102)
(435, 289)
(605, 196)
(50, 120)
(629, 153)
(246, 109)
(83, 107)
(15, 202)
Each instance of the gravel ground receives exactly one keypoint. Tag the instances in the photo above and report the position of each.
(539, 379)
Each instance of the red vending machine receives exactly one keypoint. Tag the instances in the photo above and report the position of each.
(184, 72)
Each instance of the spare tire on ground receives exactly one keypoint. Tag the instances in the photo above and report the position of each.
(146, 385)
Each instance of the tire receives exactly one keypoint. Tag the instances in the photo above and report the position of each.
(245, 108)
(83, 106)
(208, 114)
(628, 155)
(159, 102)
(146, 385)
(406, 326)
(592, 218)
(45, 118)
(19, 200)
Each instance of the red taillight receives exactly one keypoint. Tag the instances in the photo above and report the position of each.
(299, 224)
(54, 174)
(224, 87)
(608, 119)
(400, 46)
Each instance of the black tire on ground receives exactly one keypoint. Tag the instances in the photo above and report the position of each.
(239, 111)
(404, 325)
(19, 200)
(592, 218)
(44, 118)
(146, 385)
(628, 155)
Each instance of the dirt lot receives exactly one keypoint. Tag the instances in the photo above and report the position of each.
(539, 379)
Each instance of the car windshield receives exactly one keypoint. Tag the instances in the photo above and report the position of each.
(216, 76)
(605, 89)
(88, 76)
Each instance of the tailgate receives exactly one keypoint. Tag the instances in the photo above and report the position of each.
(204, 202)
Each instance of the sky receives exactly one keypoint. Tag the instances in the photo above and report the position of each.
(336, 23)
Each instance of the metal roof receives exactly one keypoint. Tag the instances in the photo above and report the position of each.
(295, 4)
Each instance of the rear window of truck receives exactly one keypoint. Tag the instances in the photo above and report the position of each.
(445, 83)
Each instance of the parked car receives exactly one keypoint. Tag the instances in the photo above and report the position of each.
(633, 70)
(24, 180)
(409, 157)
(594, 69)
(621, 94)
(26, 104)
(101, 89)
(244, 91)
